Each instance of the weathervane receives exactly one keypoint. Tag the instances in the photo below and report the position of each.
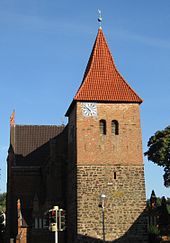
(100, 18)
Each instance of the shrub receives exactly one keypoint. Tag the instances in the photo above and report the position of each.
(153, 230)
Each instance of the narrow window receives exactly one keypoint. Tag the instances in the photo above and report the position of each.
(40, 223)
(115, 175)
(36, 223)
(103, 127)
(115, 127)
(45, 223)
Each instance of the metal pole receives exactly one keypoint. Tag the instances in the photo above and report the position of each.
(103, 224)
(102, 198)
(56, 236)
(56, 232)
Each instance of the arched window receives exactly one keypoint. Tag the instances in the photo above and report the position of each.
(102, 124)
(115, 127)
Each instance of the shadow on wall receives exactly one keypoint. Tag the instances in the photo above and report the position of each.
(28, 176)
(137, 233)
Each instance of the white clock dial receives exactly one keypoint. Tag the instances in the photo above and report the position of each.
(89, 109)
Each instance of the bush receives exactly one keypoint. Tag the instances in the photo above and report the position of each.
(154, 234)
(153, 230)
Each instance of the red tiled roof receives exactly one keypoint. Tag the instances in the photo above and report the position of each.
(102, 81)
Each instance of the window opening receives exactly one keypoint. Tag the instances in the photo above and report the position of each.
(36, 223)
(115, 127)
(40, 223)
(103, 127)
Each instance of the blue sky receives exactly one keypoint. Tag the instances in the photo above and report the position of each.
(44, 49)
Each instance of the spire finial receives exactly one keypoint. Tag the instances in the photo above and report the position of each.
(100, 18)
(12, 118)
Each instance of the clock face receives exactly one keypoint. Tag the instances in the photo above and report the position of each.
(89, 109)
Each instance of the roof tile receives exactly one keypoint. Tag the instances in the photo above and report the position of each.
(102, 81)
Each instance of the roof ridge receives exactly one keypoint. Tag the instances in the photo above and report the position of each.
(88, 66)
(126, 82)
(91, 61)
(116, 69)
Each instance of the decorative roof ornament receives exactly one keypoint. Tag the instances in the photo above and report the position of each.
(12, 118)
(100, 19)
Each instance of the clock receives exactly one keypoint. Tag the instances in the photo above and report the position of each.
(89, 109)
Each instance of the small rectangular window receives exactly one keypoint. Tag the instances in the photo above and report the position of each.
(115, 127)
(102, 124)
(40, 223)
(36, 223)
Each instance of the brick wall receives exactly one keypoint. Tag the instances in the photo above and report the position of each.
(125, 148)
(110, 164)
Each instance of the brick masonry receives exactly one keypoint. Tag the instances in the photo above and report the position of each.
(126, 148)
(110, 164)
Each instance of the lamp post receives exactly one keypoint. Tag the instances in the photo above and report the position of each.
(102, 205)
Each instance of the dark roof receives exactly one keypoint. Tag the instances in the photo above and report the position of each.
(31, 143)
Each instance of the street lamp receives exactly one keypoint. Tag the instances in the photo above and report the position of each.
(102, 205)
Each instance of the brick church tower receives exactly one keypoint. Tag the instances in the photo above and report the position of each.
(105, 155)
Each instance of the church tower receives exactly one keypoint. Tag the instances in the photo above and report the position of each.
(105, 155)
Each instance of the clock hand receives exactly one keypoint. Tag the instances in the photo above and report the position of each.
(88, 109)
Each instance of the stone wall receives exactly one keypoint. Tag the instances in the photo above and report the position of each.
(106, 163)
(124, 206)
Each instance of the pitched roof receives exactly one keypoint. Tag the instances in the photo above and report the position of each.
(102, 81)
(31, 143)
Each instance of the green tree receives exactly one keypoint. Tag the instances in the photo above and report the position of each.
(159, 152)
(2, 202)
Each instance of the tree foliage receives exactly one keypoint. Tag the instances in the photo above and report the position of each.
(2, 201)
(159, 152)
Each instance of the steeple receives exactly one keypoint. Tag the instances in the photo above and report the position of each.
(102, 81)
(105, 153)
